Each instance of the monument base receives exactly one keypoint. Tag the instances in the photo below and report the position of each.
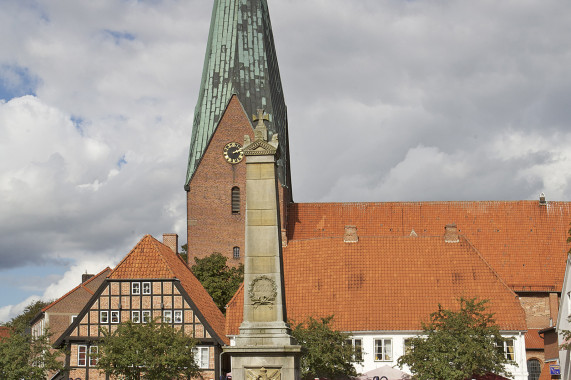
(264, 362)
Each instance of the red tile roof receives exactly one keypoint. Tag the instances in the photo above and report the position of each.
(4, 332)
(523, 241)
(533, 341)
(85, 286)
(151, 259)
(386, 283)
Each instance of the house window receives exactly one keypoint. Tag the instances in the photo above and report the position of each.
(115, 316)
(104, 317)
(236, 252)
(178, 316)
(146, 316)
(93, 351)
(136, 288)
(357, 349)
(81, 356)
(533, 369)
(408, 345)
(383, 349)
(235, 200)
(507, 348)
(167, 316)
(146, 288)
(201, 357)
(136, 316)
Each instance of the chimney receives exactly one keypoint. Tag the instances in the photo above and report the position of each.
(451, 233)
(351, 234)
(85, 277)
(171, 241)
(542, 201)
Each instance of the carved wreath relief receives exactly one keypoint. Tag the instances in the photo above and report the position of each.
(263, 291)
(263, 374)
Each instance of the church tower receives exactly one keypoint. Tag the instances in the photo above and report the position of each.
(240, 76)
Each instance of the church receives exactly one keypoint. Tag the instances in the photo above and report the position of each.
(378, 268)
(366, 263)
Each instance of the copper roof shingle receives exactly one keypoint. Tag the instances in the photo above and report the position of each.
(525, 242)
(386, 283)
(151, 259)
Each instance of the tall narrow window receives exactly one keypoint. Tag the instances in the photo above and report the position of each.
(235, 200)
(534, 369)
(236, 252)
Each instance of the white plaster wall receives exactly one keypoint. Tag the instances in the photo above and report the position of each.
(519, 370)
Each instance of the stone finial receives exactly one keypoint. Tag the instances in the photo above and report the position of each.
(261, 131)
(542, 201)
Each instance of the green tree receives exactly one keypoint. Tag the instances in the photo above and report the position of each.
(150, 351)
(456, 345)
(23, 356)
(22, 321)
(325, 351)
(220, 280)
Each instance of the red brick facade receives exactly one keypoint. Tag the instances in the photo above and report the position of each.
(211, 225)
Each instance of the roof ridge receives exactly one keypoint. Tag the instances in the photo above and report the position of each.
(488, 265)
(128, 254)
(161, 254)
(75, 288)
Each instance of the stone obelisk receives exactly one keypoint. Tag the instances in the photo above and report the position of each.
(265, 349)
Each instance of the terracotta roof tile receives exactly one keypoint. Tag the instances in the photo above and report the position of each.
(522, 240)
(98, 278)
(4, 332)
(151, 259)
(533, 340)
(386, 283)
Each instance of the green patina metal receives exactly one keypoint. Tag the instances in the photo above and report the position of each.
(240, 59)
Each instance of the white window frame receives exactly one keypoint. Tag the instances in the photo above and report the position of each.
(178, 316)
(167, 316)
(81, 348)
(135, 288)
(146, 288)
(384, 355)
(104, 316)
(136, 316)
(145, 316)
(503, 347)
(73, 317)
(202, 357)
(93, 359)
(117, 315)
(358, 356)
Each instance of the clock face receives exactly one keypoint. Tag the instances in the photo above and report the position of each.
(233, 152)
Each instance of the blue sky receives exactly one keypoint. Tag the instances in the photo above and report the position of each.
(388, 100)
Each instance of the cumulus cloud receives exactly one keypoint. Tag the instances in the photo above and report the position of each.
(388, 100)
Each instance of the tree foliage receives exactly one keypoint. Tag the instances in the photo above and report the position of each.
(220, 280)
(325, 352)
(456, 345)
(23, 356)
(22, 321)
(150, 351)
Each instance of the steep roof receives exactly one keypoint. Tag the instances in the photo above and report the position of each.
(151, 259)
(533, 341)
(240, 59)
(525, 242)
(386, 283)
(88, 287)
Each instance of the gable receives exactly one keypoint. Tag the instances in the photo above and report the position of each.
(525, 242)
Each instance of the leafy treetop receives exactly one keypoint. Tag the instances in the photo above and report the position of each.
(151, 351)
(325, 351)
(456, 345)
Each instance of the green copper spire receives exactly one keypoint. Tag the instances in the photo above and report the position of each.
(240, 59)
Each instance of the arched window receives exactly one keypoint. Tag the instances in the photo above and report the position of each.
(534, 369)
(236, 252)
(235, 200)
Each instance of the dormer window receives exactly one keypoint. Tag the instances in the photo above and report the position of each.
(235, 200)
